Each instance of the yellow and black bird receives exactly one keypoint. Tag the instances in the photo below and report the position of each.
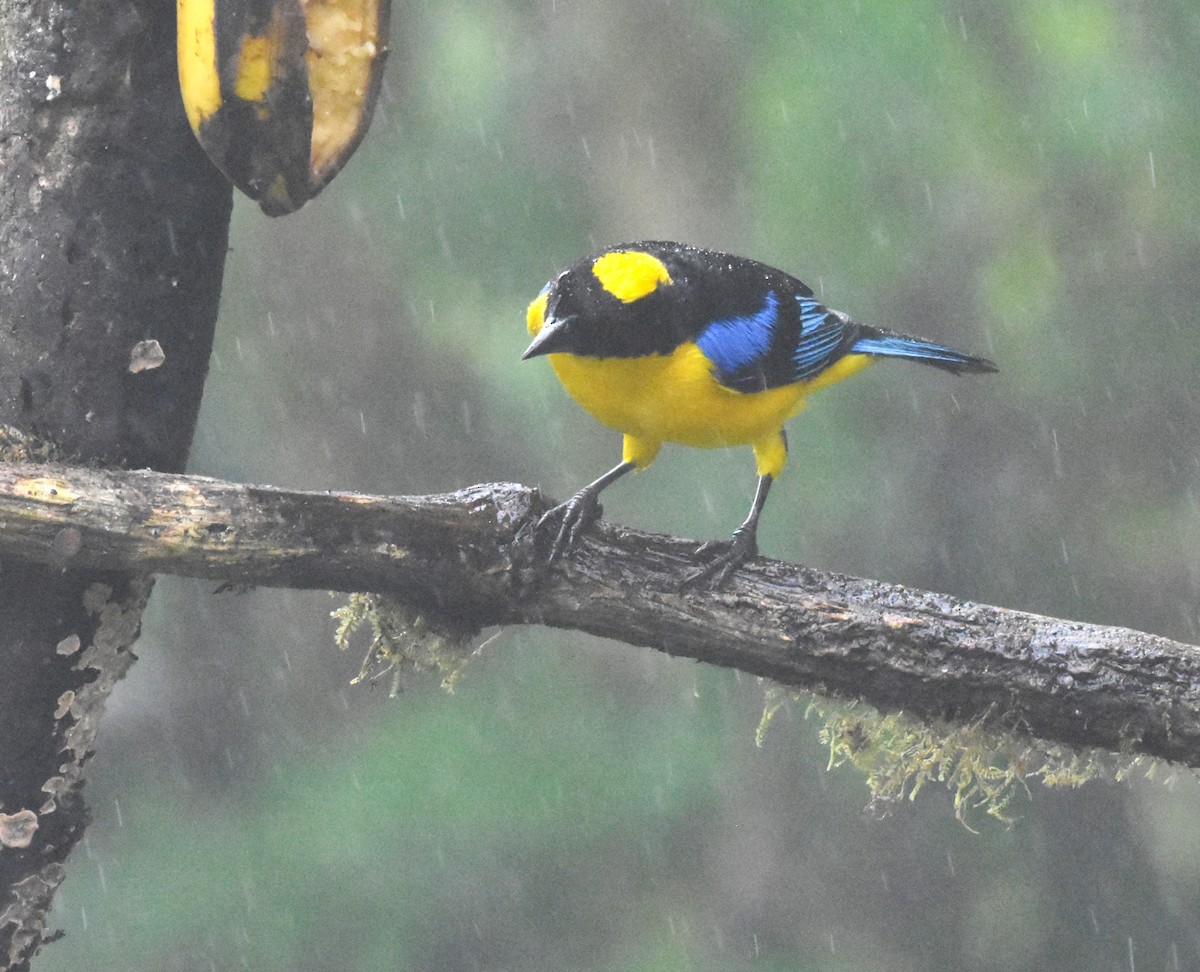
(671, 343)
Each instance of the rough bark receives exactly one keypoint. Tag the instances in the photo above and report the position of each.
(471, 556)
(113, 234)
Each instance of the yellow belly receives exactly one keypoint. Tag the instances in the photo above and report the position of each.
(676, 398)
(673, 398)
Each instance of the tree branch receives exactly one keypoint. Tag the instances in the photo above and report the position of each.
(471, 555)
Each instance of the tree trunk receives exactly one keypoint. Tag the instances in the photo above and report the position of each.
(114, 234)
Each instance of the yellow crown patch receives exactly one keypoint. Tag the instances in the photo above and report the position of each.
(630, 274)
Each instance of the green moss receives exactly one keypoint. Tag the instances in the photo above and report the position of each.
(404, 640)
(985, 766)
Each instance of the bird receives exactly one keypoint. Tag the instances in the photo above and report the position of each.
(666, 342)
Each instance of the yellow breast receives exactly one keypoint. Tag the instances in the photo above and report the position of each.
(675, 398)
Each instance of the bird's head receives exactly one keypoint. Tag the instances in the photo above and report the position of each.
(570, 312)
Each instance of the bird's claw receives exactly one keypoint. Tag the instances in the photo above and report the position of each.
(578, 514)
(730, 555)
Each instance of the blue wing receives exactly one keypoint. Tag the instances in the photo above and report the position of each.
(822, 339)
(778, 344)
(784, 343)
(737, 346)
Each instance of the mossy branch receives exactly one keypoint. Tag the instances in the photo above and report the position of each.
(470, 556)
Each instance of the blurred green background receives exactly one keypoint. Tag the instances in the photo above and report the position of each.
(1019, 179)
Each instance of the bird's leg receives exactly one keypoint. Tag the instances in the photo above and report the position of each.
(735, 551)
(580, 511)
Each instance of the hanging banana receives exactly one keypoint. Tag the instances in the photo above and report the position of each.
(280, 92)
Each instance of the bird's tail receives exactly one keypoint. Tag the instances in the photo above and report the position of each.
(886, 344)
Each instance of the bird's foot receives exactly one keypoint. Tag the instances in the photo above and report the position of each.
(729, 556)
(577, 515)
